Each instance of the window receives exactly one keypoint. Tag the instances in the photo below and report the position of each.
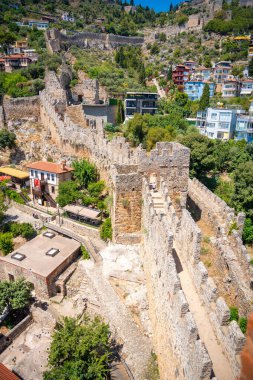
(52, 189)
(214, 116)
(48, 176)
(224, 125)
(36, 174)
(52, 177)
(52, 252)
(49, 234)
(32, 173)
(18, 256)
(210, 125)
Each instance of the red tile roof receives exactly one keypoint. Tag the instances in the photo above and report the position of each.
(6, 374)
(50, 167)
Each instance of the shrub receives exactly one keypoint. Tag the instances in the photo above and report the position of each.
(85, 253)
(234, 316)
(26, 230)
(243, 324)
(12, 194)
(6, 242)
(106, 230)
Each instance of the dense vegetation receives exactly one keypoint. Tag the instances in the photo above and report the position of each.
(79, 350)
(126, 73)
(14, 295)
(98, 16)
(85, 188)
(241, 20)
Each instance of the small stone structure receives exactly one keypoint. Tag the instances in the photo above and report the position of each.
(21, 108)
(41, 261)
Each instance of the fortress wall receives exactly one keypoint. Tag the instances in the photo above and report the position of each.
(56, 40)
(180, 353)
(187, 244)
(233, 255)
(21, 108)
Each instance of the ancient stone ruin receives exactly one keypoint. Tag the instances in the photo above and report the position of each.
(156, 205)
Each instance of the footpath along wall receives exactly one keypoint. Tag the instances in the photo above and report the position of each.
(135, 219)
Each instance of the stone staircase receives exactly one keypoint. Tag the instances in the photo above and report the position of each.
(158, 202)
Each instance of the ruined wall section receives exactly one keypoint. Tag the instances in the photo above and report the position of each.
(180, 353)
(55, 40)
(232, 253)
(21, 108)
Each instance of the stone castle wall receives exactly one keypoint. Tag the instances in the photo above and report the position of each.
(56, 40)
(181, 354)
(233, 257)
(21, 108)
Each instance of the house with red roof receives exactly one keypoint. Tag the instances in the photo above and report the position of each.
(45, 178)
(6, 374)
(11, 62)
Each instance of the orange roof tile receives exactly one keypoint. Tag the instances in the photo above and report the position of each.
(50, 167)
(6, 374)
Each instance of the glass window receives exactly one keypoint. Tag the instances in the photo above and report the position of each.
(214, 116)
(32, 173)
(36, 174)
(52, 177)
(48, 176)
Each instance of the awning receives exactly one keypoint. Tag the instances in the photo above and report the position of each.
(84, 212)
(14, 172)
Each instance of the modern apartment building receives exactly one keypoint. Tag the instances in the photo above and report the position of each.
(45, 178)
(230, 88)
(194, 89)
(202, 73)
(246, 87)
(222, 71)
(140, 102)
(201, 121)
(221, 123)
(180, 75)
(244, 128)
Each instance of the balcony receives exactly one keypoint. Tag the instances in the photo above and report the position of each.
(37, 191)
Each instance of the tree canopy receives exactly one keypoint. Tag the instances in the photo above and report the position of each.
(14, 294)
(79, 350)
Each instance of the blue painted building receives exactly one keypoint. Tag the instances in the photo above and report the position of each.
(194, 89)
(244, 128)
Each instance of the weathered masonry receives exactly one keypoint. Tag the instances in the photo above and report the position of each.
(155, 204)
(56, 41)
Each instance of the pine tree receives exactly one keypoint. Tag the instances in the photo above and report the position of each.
(132, 3)
(205, 98)
(169, 74)
(171, 7)
(120, 113)
(142, 74)
(251, 67)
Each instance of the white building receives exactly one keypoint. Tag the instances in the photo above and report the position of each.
(221, 123)
(67, 17)
(247, 87)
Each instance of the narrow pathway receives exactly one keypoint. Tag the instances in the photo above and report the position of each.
(160, 90)
(136, 347)
(221, 365)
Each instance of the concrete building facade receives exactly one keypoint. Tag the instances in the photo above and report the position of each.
(194, 89)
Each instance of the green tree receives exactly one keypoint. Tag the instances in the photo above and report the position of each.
(7, 139)
(68, 193)
(247, 234)
(169, 74)
(205, 98)
(137, 129)
(14, 295)
(142, 74)
(251, 67)
(96, 188)
(120, 113)
(79, 350)
(243, 196)
(106, 230)
(202, 159)
(6, 38)
(6, 242)
(84, 172)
